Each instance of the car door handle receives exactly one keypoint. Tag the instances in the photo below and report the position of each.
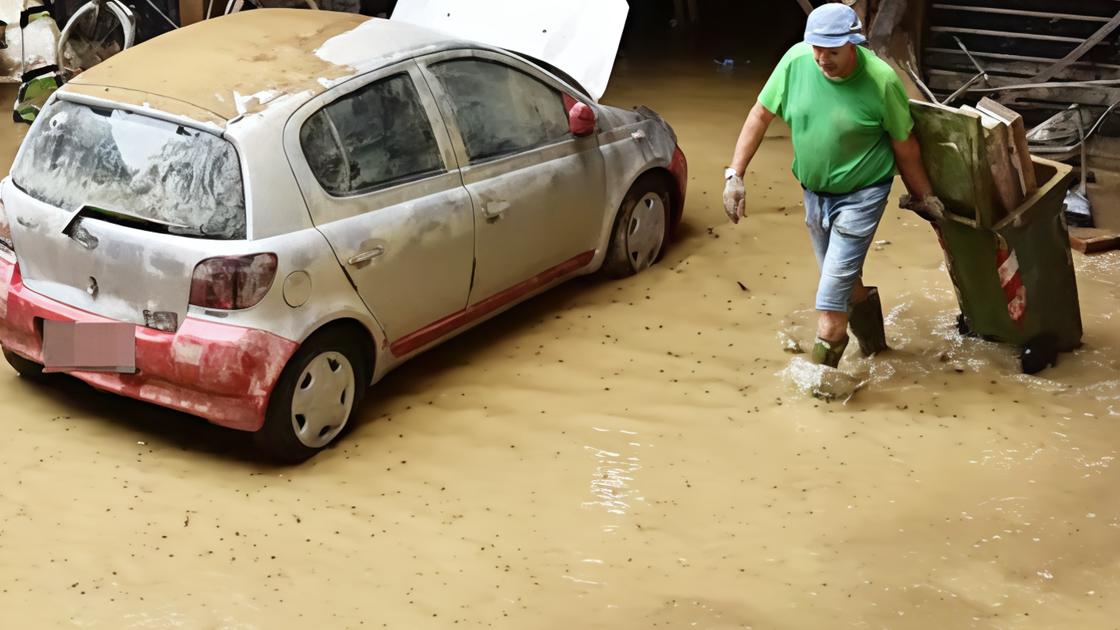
(494, 209)
(366, 256)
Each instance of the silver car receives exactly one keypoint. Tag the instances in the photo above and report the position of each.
(306, 201)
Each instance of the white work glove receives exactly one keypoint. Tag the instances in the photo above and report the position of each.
(734, 196)
(929, 208)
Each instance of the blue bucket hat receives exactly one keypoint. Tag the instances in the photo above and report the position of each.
(832, 25)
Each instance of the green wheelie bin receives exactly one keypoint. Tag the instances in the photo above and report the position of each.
(1012, 270)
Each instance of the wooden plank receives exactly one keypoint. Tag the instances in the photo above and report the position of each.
(1093, 240)
(1005, 178)
(190, 11)
(1079, 52)
(1020, 70)
(1080, 93)
(887, 19)
(1005, 34)
(936, 51)
(1012, 57)
(1020, 12)
(955, 157)
(1021, 155)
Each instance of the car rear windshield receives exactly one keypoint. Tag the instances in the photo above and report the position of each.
(185, 180)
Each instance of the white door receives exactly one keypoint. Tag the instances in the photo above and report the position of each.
(539, 192)
(383, 186)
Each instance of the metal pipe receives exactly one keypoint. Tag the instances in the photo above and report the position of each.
(983, 72)
(921, 84)
(962, 89)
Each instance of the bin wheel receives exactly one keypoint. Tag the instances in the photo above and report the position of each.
(1038, 354)
(963, 327)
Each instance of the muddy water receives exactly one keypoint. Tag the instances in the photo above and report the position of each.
(612, 455)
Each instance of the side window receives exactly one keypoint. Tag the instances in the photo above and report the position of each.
(377, 136)
(501, 110)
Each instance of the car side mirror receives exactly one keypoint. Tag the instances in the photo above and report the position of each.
(581, 119)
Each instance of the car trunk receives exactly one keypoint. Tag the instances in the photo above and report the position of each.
(110, 211)
(580, 37)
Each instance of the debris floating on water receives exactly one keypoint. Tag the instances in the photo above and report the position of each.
(821, 381)
(790, 343)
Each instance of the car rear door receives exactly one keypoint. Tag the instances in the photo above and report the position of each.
(539, 192)
(376, 168)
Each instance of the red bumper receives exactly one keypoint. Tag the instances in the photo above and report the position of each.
(222, 373)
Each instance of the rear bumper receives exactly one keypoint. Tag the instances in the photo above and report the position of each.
(222, 373)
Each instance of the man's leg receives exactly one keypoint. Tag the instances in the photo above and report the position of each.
(854, 219)
(831, 331)
(865, 318)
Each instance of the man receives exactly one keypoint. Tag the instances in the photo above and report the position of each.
(851, 127)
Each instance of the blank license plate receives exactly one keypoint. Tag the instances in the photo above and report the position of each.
(89, 347)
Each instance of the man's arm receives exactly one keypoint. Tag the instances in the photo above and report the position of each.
(908, 156)
(750, 138)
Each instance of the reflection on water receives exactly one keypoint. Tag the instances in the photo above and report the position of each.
(612, 482)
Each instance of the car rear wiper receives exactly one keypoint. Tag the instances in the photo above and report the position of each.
(127, 219)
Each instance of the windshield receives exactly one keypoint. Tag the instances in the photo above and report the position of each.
(138, 166)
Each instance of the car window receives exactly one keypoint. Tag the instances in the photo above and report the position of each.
(374, 137)
(501, 110)
(115, 160)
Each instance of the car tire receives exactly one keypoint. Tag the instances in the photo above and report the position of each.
(303, 416)
(26, 368)
(641, 228)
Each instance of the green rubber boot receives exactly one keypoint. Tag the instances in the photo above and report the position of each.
(829, 352)
(865, 318)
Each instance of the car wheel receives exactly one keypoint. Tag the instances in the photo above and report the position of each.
(314, 398)
(640, 229)
(26, 368)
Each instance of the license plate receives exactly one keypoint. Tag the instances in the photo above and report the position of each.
(89, 347)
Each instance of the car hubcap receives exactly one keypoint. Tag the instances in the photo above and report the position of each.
(323, 399)
(646, 232)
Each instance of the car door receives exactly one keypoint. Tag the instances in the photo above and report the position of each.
(381, 181)
(538, 191)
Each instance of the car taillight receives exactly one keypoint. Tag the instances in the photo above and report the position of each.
(232, 282)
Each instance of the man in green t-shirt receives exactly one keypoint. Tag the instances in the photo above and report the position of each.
(851, 126)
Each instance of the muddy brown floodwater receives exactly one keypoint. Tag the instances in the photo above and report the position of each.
(613, 455)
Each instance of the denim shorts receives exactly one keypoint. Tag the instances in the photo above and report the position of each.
(842, 228)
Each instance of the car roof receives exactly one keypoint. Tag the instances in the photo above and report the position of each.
(236, 64)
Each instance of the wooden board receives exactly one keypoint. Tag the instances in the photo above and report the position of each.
(1018, 141)
(190, 11)
(955, 157)
(1005, 177)
(1093, 240)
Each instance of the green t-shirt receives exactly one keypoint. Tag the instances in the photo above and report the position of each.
(841, 128)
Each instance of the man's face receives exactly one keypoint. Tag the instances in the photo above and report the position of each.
(835, 63)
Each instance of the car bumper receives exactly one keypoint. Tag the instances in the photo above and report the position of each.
(219, 372)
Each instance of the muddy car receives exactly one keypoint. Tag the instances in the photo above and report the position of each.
(311, 199)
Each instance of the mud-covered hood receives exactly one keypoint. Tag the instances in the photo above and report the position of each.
(580, 37)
